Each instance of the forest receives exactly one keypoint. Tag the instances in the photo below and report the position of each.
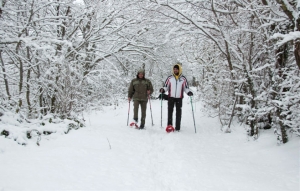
(62, 57)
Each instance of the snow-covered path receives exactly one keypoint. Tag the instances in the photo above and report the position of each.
(109, 155)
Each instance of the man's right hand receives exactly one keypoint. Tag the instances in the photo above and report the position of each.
(129, 99)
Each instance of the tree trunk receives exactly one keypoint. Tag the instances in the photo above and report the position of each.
(21, 70)
(28, 92)
(297, 43)
(28, 81)
(281, 61)
(297, 52)
(284, 136)
(296, 25)
(4, 76)
(43, 110)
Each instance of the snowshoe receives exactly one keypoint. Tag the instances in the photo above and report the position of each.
(133, 124)
(170, 129)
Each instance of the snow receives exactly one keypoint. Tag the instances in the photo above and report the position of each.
(109, 155)
(284, 38)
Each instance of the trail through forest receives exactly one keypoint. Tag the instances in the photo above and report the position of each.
(109, 155)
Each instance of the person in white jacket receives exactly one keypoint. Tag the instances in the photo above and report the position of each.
(175, 85)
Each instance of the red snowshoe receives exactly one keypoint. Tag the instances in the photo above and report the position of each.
(170, 129)
(133, 124)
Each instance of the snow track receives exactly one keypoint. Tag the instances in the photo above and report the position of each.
(109, 155)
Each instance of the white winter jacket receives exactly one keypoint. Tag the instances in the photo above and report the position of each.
(176, 85)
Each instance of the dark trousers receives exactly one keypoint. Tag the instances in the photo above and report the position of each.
(177, 102)
(136, 110)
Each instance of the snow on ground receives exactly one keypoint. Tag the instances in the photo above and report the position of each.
(109, 155)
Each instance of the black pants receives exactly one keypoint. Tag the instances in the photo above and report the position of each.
(177, 102)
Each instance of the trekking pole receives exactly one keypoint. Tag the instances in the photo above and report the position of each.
(150, 110)
(128, 112)
(193, 113)
(161, 109)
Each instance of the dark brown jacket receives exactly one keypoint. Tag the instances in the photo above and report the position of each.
(138, 89)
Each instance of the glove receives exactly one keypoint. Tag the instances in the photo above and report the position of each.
(190, 94)
(162, 90)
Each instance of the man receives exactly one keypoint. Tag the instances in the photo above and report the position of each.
(176, 84)
(139, 90)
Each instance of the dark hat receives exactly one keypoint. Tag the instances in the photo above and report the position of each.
(176, 66)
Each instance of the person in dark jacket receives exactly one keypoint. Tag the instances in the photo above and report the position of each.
(176, 84)
(139, 90)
